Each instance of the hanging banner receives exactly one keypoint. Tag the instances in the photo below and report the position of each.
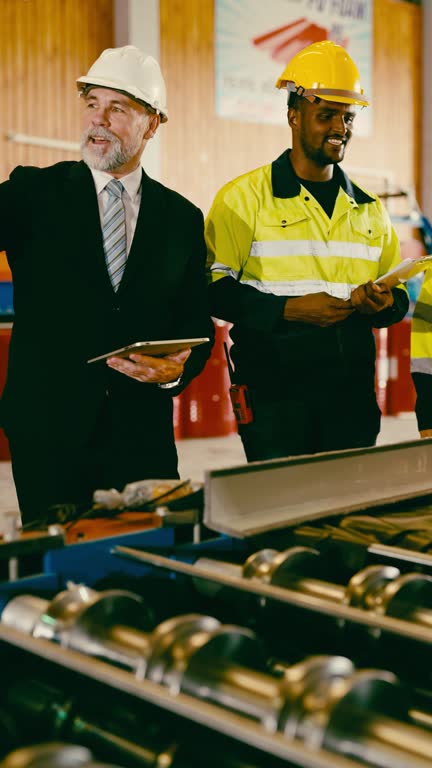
(255, 39)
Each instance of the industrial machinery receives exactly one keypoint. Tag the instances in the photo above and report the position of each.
(296, 632)
(52, 755)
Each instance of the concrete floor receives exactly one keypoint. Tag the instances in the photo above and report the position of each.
(198, 454)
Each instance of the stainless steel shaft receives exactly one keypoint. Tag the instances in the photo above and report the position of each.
(225, 665)
(376, 588)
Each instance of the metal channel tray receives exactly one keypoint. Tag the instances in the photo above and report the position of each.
(255, 498)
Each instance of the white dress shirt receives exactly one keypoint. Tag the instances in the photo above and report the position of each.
(131, 198)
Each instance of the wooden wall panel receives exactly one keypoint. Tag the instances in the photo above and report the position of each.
(44, 46)
(200, 152)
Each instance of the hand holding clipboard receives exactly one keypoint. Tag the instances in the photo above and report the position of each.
(404, 270)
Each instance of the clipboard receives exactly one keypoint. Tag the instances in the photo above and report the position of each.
(404, 270)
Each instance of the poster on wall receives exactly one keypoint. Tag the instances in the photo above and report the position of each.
(255, 39)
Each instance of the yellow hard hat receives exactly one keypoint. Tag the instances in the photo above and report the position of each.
(324, 70)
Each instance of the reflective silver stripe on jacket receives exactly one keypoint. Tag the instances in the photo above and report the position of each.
(290, 287)
(421, 365)
(302, 287)
(227, 271)
(318, 248)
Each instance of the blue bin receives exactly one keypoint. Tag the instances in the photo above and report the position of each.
(6, 299)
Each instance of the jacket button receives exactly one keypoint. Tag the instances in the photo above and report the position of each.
(307, 198)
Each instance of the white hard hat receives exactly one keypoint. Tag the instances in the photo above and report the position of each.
(131, 71)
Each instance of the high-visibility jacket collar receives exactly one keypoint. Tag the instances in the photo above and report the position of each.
(285, 183)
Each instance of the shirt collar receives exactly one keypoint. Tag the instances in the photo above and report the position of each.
(131, 182)
(285, 183)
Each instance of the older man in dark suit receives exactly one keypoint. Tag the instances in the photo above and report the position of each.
(101, 256)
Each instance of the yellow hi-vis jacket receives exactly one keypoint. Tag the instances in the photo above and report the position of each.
(288, 246)
(272, 239)
(421, 353)
(421, 329)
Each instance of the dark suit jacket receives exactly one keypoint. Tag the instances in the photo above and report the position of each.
(67, 312)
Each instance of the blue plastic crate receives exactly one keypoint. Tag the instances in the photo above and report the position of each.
(6, 298)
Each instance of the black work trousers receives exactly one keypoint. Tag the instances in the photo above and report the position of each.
(129, 442)
(335, 414)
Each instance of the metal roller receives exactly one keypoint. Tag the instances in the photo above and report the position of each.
(377, 588)
(225, 665)
(332, 705)
(51, 755)
(86, 621)
(130, 737)
(96, 623)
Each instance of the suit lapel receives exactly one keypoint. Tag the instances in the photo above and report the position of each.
(82, 208)
(146, 249)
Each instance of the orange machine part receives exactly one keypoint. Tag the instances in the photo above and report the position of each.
(5, 273)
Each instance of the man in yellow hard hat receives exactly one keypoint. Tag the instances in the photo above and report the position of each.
(294, 249)
(102, 256)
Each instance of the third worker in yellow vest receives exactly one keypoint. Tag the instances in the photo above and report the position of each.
(294, 248)
(421, 355)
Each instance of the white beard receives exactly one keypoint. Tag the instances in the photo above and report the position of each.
(101, 159)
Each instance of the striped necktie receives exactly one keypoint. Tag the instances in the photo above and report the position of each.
(114, 232)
